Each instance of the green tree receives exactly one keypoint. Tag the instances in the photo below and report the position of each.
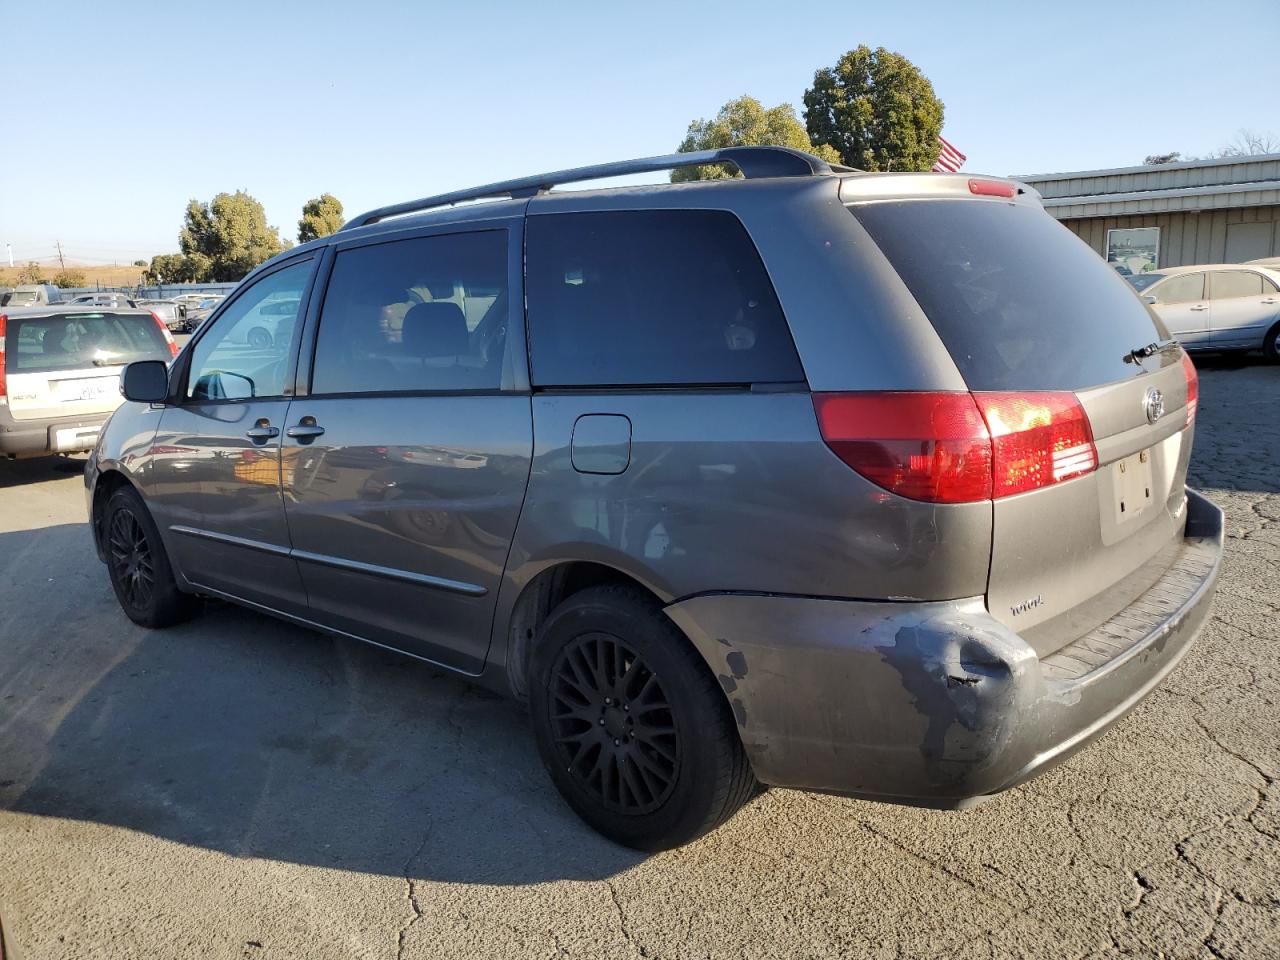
(877, 110)
(66, 279)
(139, 263)
(177, 268)
(320, 217)
(31, 273)
(745, 122)
(226, 238)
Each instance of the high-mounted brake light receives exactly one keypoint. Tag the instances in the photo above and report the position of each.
(168, 337)
(4, 321)
(1188, 370)
(991, 188)
(958, 447)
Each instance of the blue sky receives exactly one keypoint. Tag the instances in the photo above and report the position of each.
(118, 113)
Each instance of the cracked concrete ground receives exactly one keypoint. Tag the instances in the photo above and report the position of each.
(240, 788)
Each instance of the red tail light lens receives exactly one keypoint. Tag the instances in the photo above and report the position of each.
(1188, 370)
(4, 321)
(925, 446)
(1037, 439)
(168, 337)
(958, 447)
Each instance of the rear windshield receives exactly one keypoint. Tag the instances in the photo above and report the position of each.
(74, 341)
(1018, 300)
(23, 298)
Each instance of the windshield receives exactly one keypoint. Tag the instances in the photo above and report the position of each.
(23, 298)
(1020, 302)
(1143, 280)
(78, 340)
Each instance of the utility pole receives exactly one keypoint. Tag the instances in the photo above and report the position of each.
(9, 247)
(61, 260)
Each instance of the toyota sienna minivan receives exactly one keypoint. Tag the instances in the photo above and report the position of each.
(868, 484)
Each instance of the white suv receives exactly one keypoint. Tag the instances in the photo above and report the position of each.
(60, 372)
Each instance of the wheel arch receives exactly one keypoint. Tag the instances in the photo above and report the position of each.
(107, 483)
(541, 595)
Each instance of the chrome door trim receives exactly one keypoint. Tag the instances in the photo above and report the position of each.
(373, 569)
(259, 545)
(392, 573)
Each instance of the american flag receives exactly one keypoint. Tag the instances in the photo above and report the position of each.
(950, 160)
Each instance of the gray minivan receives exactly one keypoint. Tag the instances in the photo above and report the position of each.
(802, 478)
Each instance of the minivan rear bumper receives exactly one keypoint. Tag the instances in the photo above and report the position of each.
(938, 704)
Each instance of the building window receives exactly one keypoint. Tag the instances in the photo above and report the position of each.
(1133, 250)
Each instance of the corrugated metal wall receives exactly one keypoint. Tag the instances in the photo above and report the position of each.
(1189, 237)
(1166, 177)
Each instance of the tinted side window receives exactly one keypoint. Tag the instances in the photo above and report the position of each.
(652, 297)
(1269, 287)
(415, 315)
(246, 353)
(1184, 289)
(1236, 283)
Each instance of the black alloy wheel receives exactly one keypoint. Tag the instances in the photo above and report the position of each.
(614, 728)
(129, 554)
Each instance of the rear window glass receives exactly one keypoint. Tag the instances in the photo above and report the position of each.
(1018, 300)
(79, 340)
(646, 298)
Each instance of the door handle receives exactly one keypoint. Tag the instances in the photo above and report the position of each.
(262, 431)
(1199, 306)
(1271, 300)
(306, 430)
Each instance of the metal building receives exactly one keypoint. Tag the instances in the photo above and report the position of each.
(1197, 211)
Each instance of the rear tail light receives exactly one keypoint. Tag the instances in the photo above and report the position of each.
(1037, 440)
(4, 321)
(925, 446)
(168, 337)
(958, 447)
(1188, 370)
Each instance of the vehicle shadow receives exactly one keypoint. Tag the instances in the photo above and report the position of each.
(237, 733)
(14, 473)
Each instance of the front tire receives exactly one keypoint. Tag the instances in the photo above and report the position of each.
(630, 723)
(259, 338)
(138, 565)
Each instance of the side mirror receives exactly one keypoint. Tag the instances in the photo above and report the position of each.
(145, 381)
(1149, 299)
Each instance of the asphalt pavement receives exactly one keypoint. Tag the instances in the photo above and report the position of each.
(236, 787)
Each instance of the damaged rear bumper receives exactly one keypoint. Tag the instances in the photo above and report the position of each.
(937, 704)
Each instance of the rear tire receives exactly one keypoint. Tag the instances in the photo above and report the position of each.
(138, 565)
(259, 338)
(631, 725)
(1271, 345)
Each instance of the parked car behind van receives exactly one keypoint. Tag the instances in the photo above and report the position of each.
(60, 372)
(33, 294)
(1217, 306)
(870, 484)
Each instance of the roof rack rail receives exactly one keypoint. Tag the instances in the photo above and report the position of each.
(752, 162)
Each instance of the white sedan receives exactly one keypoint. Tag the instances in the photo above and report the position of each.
(1228, 306)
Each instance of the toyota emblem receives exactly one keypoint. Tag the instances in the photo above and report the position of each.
(1153, 405)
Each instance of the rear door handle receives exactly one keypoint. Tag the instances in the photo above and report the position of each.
(262, 431)
(1200, 306)
(306, 430)
(1271, 300)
